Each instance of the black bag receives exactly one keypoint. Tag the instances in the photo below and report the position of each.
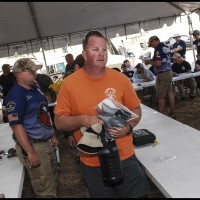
(142, 137)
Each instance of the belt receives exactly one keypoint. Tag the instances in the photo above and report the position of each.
(38, 141)
(163, 71)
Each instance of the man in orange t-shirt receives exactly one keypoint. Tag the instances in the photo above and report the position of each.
(76, 107)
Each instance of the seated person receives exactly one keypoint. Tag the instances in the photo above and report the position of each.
(196, 69)
(182, 66)
(125, 71)
(142, 74)
(128, 65)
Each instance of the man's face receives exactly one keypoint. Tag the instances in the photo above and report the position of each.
(178, 60)
(28, 77)
(142, 45)
(128, 64)
(6, 70)
(124, 68)
(177, 39)
(195, 36)
(139, 70)
(96, 54)
(154, 43)
(69, 60)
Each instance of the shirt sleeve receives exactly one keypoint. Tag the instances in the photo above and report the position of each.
(16, 107)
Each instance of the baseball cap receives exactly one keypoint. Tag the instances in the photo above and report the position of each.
(176, 35)
(175, 55)
(139, 65)
(151, 39)
(91, 140)
(196, 32)
(25, 64)
(142, 41)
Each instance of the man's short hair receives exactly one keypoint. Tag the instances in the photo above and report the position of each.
(5, 66)
(175, 55)
(125, 61)
(69, 55)
(88, 35)
(139, 65)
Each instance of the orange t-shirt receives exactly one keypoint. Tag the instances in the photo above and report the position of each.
(80, 94)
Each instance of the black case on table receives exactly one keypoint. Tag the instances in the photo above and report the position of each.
(142, 137)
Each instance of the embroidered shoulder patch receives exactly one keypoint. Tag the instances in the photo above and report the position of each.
(10, 106)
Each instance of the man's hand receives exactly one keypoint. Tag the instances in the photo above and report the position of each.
(54, 141)
(89, 120)
(71, 141)
(34, 160)
(148, 79)
(119, 131)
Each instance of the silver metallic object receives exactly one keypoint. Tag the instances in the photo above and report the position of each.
(57, 154)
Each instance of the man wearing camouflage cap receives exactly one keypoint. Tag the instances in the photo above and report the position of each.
(196, 36)
(30, 120)
(162, 66)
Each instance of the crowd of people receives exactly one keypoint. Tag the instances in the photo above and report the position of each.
(86, 83)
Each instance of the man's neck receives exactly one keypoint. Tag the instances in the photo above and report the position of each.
(28, 87)
(94, 72)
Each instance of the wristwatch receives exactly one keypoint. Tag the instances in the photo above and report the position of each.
(130, 130)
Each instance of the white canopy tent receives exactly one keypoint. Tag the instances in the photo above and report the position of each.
(28, 26)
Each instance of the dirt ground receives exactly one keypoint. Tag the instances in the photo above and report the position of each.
(71, 183)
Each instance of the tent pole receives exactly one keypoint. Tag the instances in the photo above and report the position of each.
(45, 62)
(190, 31)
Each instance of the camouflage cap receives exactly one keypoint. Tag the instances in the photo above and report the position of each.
(25, 64)
(196, 32)
(151, 39)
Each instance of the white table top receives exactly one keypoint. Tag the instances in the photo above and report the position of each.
(152, 83)
(186, 75)
(173, 165)
(11, 169)
(137, 86)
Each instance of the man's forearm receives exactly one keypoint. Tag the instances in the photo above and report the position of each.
(154, 63)
(137, 111)
(67, 123)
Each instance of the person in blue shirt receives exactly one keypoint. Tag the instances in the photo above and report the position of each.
(196, 42)
(179, 46)
(29, 118)
(182, 66)
(128, 73)
(162, 66)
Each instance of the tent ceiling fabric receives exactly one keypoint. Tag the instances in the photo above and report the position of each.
(63, 18)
